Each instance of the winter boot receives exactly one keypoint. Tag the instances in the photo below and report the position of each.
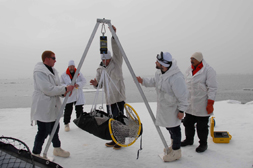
(110, 144)
(67, 128)
(201, 148)
(117, 147)
(186, 143)
(169, 149)
(173, 155)
(60, 152)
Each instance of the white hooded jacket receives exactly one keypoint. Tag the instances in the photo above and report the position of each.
(171, 95)
(114, 70)
(202, 86)
(77, 93)
(46, 101)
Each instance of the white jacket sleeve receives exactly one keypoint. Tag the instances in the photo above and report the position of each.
(211, 83)
(117, 56)
(148, 82)
(181, 93)
(46, 87)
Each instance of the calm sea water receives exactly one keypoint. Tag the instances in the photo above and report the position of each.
(230, 87)
(17, 93)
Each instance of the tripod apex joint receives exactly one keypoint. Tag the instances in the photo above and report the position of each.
(103, 21)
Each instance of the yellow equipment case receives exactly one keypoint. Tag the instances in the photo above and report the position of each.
(219, 136)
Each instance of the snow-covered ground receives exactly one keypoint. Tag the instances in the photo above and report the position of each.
(89, 151)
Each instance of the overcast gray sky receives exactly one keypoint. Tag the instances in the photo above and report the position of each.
(220, 29)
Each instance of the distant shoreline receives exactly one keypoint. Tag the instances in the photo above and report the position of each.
(17, 93)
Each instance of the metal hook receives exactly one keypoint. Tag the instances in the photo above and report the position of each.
(103, 28)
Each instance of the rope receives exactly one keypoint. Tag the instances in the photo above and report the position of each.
(94, 105)
(116, 89)
(113, 83)
(105, 78)
(108, 92)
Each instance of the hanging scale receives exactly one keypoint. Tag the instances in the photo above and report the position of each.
(103, 41)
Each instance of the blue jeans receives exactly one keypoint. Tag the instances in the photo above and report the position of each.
(175, 134)
(45, 129)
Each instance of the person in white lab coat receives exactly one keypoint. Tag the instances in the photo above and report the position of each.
(172, 102)
(77, 96)
(46, 103)
(202, 85)
(115, 95)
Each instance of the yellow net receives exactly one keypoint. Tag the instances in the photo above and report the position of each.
(127, 132)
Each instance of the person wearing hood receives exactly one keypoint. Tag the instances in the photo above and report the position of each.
(202, 86)
(115, 88)
(77, 96)
(172, 102)
(46, 103)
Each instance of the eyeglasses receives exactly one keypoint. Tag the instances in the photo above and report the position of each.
(160, 58)
(53, 58)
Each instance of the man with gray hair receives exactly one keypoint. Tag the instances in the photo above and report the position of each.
(202, 86)
(77, 96)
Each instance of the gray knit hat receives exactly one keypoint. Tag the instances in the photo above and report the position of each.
(198, 56)
(71, 62)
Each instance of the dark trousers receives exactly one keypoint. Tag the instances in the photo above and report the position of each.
(175, 134)
(68, 111)
(116, 108)
(45, 129)
(202, 128)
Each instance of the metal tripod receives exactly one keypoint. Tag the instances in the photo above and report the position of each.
(108, 22)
